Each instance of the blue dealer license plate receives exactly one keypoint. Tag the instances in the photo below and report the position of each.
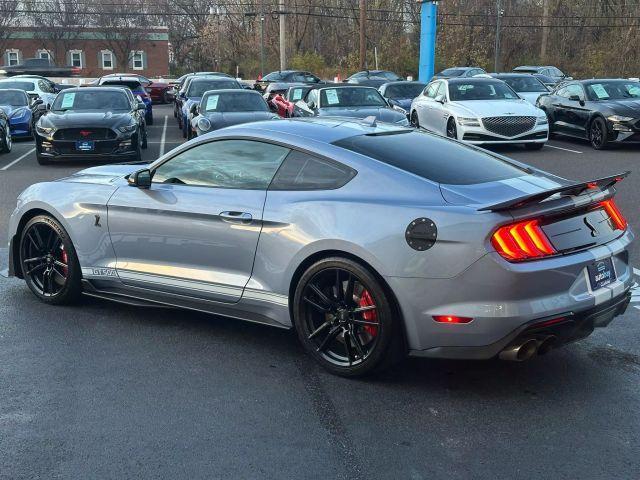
(85, 146)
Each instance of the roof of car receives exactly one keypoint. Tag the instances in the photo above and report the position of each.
(232, 90)
(472, 79)
(121, 78)
(198, 78)
(94, 89)
(402, 82)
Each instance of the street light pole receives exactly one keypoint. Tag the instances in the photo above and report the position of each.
(261, 38)
(283, 42)
(363, 38)
(499, 13)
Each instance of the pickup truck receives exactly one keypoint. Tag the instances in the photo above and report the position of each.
(39, 66)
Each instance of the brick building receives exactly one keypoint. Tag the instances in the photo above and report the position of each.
(93, 50)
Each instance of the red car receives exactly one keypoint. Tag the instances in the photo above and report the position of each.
(282, 103)
(158, 91)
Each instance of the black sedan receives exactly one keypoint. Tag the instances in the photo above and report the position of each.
(601, 111)
(287, 76)
(401, 94)
(547, 74)
(92, 123)
(459, 72)
(374, 78)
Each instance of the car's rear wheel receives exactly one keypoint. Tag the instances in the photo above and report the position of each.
(6, 143)
(452, 130)
(166, 98)
(149, 119)
(345, 319)
(49, 262)
(598, 134)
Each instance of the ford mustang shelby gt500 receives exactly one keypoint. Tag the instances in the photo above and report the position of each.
(370, 240)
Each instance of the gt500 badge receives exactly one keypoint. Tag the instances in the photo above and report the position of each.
(99, 272)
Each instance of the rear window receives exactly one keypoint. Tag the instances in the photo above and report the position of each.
(431, 157)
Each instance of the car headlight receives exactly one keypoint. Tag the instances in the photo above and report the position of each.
(127, 128)
(204, 124)
(468, 121)
(18, 113)
(45, 130)
(619, 118)
(543, 120)
(398, 108)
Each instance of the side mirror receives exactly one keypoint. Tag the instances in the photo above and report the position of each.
(182, 95)
(36, 102)
(140, 179)
(574, 98)
(141, 106)
(440, 99)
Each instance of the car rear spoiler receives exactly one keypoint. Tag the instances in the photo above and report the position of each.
(573, 189)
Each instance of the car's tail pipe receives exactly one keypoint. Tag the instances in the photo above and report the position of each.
(545, 344)
(520, 351)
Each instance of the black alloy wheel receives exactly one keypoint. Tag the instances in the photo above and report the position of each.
(452, 130)
(145, 140)
(48, 261)
(6, 141)
(344, 319)
(415, 121)
(598, 134)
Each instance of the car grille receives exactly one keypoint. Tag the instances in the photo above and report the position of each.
(85, 134)
(510, 126)
(100, 148)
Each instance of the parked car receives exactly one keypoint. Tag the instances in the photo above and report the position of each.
(373, 78)
(20, 110)
(277, 89)
(286, 76)
(40, 66)
(284, 104)
(525, 85)
(34, 87)
(603, 111)
(92, 123)
(192, 92)
(353, 101)
(5, 133)
(401, 94)
(465, 254)
(459, 72)
(158, 91)
(553, 74)
(480, 111)
(223, 108)
(136, 88)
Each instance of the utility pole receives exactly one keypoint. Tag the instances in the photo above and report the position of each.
(545, 31)
(261, 39)
(363, 38)
(283, 38)
(499, 13)
(428, 26)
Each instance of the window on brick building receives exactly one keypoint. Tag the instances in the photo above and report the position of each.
(106, 60)
(75, 57)
(13, 57)
(43, 54)
(137, 60)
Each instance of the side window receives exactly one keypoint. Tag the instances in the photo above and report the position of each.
(297, 77)
(442, 90)
(575, 89)
(301, 171)
(240, 164)
(432, 89)
(310, 78)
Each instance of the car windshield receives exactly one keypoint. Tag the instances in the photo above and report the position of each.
(452, 72)
(15, 99)
(198, 87)
(92, 100)
(131, 85)
(351, 97)
(525, 84)
(274, 76)
(234, 102)
(386, 75)
(432, 157)
(19, 85)
(404, 90)
(460, 92)
(613, 90)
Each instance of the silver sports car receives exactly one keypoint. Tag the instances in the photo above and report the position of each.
(371, 240)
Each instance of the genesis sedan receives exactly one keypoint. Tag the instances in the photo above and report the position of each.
(479, 111)
(371, 241)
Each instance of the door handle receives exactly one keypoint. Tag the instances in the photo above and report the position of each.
(236, 217)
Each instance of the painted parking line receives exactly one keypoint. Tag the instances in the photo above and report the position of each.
(635, 289)
(9, 165)
(164, 135)
(563, 149)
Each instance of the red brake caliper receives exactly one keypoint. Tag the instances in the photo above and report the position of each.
(369, 315)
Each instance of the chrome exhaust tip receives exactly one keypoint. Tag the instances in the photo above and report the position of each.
(520, 351)
(545, 344)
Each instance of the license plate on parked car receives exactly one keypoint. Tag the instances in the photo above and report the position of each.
(85, 145)
(601, 273)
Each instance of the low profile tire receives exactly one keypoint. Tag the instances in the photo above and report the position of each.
(165, 97)
(598, 134)
(49, 262)
(42, 160)
(452, 129)
(184, 130)
(175, 112)
(6, 142)
(138, 154)
(149, 120)
(415, 121)
(533, 146)
(145, 140)
(345, 319)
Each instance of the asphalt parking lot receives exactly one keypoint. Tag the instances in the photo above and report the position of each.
(104, 390)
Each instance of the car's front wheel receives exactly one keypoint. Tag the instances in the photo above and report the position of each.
(345, 318)
(5, 140)
(598, 134)
(49, 262)
(452, 130)
(415, 121)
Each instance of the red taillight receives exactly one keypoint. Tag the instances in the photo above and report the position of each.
(614, 213)
(522, 241)
(451, 319)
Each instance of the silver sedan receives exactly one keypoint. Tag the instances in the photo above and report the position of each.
(371, 240)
